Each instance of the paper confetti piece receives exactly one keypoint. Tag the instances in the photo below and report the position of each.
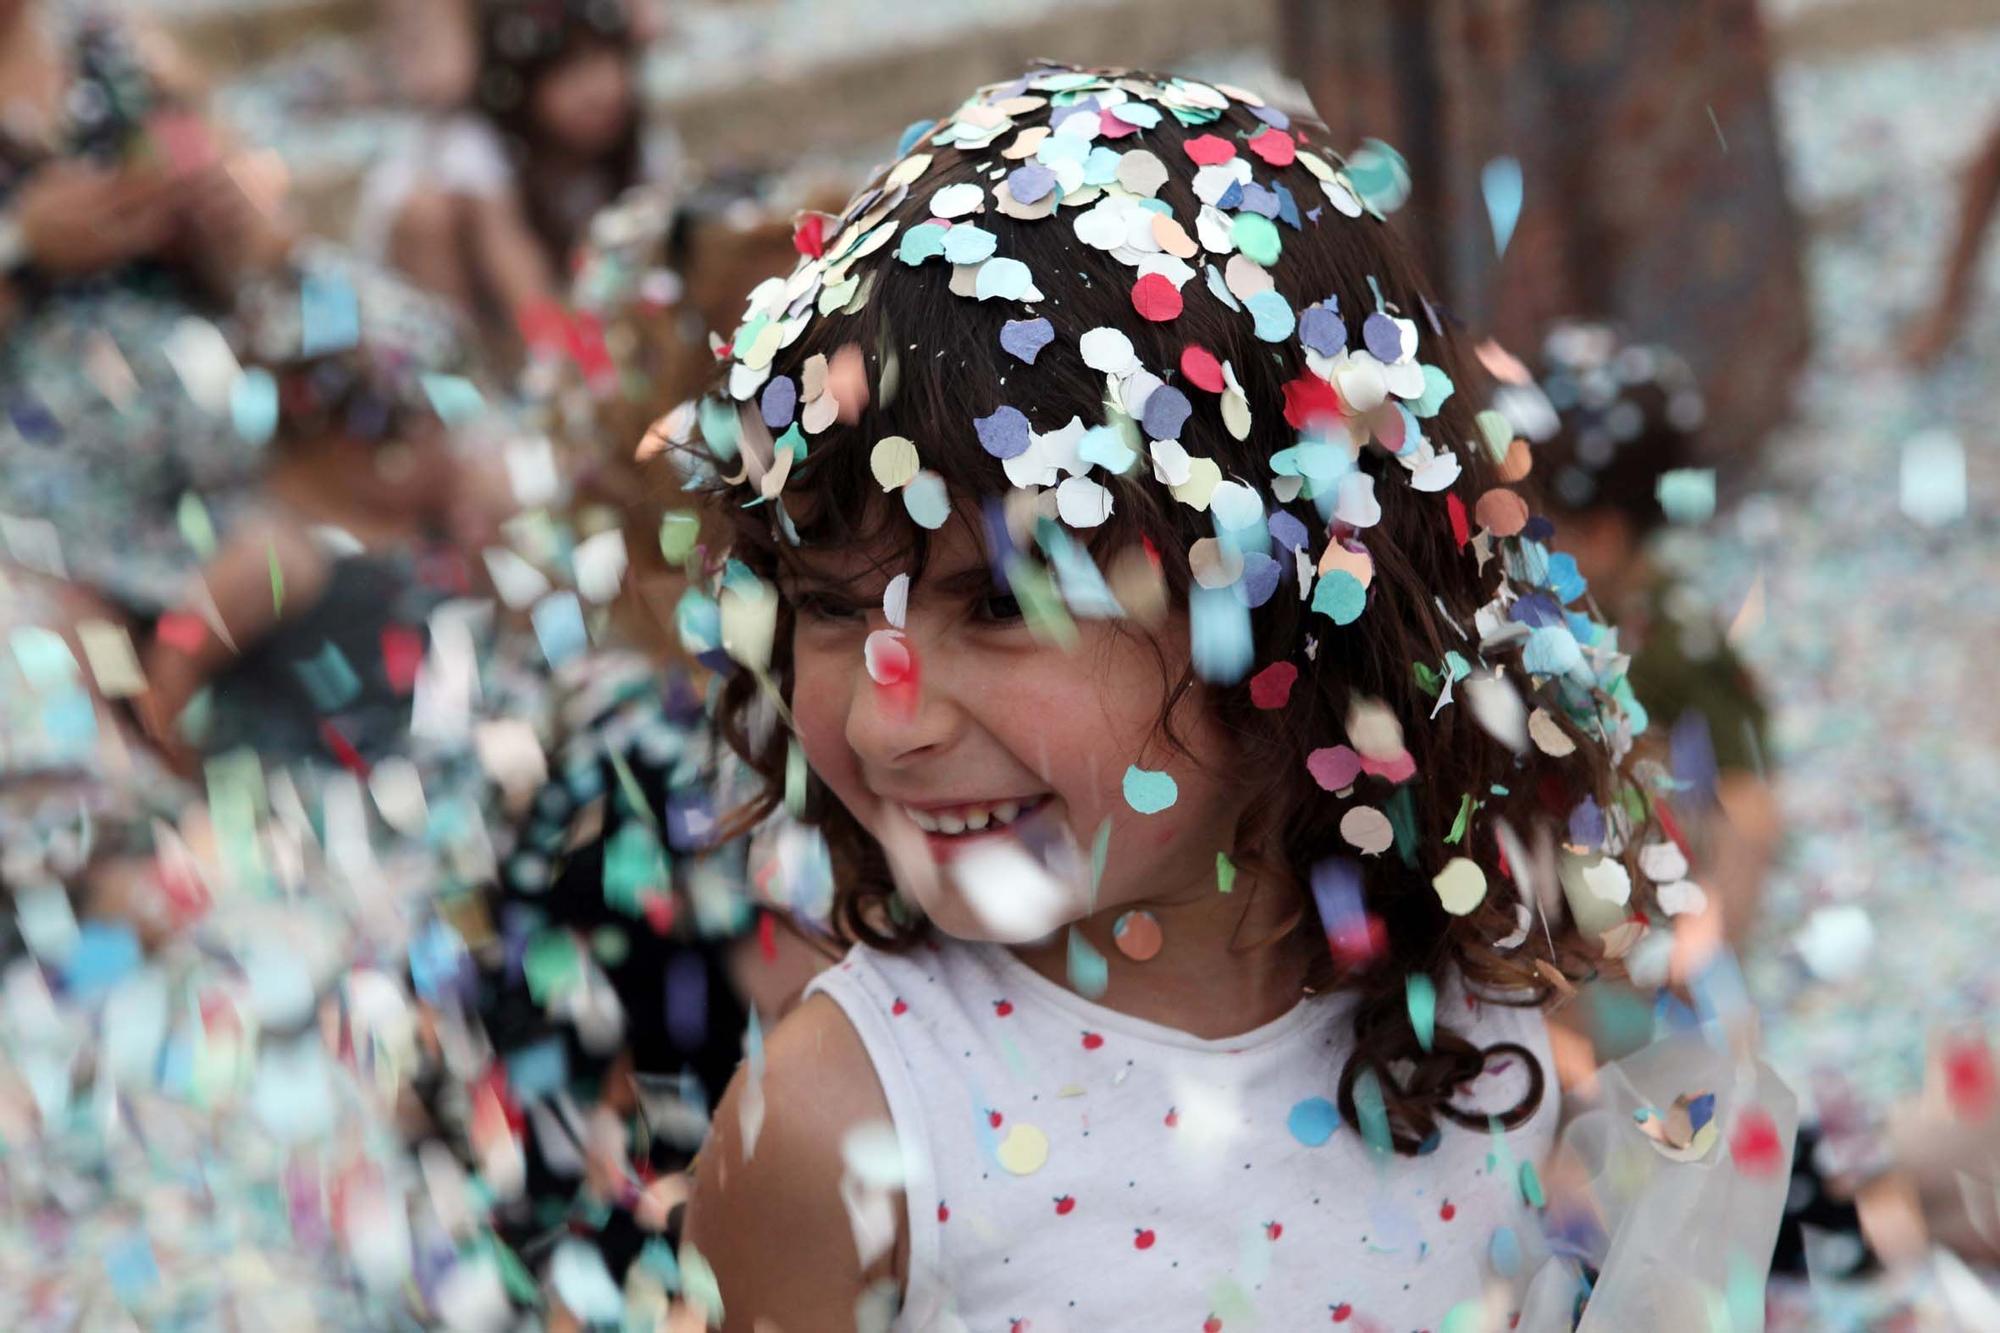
(1461, 885)
(559, 629)
(1367, 830)
(1421, 996)
(1334, 767)
(1209, 150)
(329, 314)
(1006, 279)
(1108, 350)
(1004, 434)
(1024, 1151)
(1274, 319)
(893, 462)
(927, 501)
(1089, 973)
(1313, 1121)
(1687, 494)
(1156, 298)
(1148, 791)
(1083, 503)
(1025, 338)
(253, 405)
(1272, 687)
(1500, 181)
(1225, 873)
(1340, 597)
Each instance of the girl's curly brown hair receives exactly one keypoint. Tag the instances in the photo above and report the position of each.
(936, 362)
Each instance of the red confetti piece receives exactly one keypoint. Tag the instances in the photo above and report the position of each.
(1271, 687)
(1310, 400)
(809, 237)
(1209, 150)
(1399, 769)
(1201, 368)
(181, 631)
(1755, 1144)
(1969, 1080)
(1156, 298)
(1334, 767)
(660, 913)
(767, 937)
(1461, 531)
(1275, 147)
(1110, 127)
(402, 653)
(349, 758)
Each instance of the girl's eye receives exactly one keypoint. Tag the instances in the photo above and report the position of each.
(999, 608)
(824, 610)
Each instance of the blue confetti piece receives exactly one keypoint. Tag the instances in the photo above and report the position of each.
(1004, 434)
(1024, 339)
(1218, 287)
(538, 1070)
(1274, 319)
(1701, 1110)
(967, 244)
(329, 314)
(1421, 996)
(1313, 1121)
(454, 398)
(329, 678)
(1089, 974)
(1500, 181)
(1340, 597)
(1504, 1251)
(1258, 200)
(1564, 580)
(558, 622)
(1288, 206)
(1007, 279)
(105, 953)
(253, 405)
(1322, 329)
(1221, 646)
(1030, 182)
(1551, 651)
(1287, 531)
(1166, 413)
(911, 135)
(44, 658)
(720, 430)
(1083, 587)
(779, 401)
(1232, 198)
(685, 996)
(1537, 610)
(921, 242)
(1687, 494)
(1372, 1112)
(1259, 581)
(133, 1270)
(1149, 792)
(1586, 823)
(1382, 338)
(1106, 448)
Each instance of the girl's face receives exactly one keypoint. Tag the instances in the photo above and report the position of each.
(1006, 743)
(584, 103)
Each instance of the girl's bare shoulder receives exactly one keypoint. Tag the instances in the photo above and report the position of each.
(766, 1211)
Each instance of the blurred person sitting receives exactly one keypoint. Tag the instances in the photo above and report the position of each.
(1615, 431)
(488, 204)
(128, 228)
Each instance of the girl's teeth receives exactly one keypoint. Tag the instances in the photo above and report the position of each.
(970, 819)
(1006, 812)
(976, 819)
(923, 821)
(950, 824)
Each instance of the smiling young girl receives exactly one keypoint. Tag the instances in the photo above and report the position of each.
(1207, 740)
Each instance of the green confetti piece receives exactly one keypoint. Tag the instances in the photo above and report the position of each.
(1372, 1112)
(551, 964)
(1421, 996)
(1531, 1186)
(329, 679)
(1149, 792)
(632, 798)
(679, 531)
(657, 1257)
(1497, 431)
(277, 582)
(453, 397)
(1042, 608)
(1256, 238)
(1403, 820)
(1687, 494)
(1089, 974)
(793, 439)
(610, 945)
(1465, 1317)
(1457, 665)
(1225, 872)
(196, 528)
(699, 1280)
(1100, 852)
(1460, 824)
(514, 1275)
(1429, 681)
(634, 866)
(795, 780)
(44, 658)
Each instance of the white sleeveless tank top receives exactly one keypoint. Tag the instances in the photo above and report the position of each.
(1076, 1170)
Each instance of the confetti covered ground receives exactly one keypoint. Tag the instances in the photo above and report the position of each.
(1877, 632)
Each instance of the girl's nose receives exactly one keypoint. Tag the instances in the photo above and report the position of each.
(897, 712)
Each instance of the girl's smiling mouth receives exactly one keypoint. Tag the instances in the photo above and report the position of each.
(949, 826)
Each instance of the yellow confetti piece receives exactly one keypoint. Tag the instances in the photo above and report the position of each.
(1024, 1151)
(893, 461)
(1461, 885)
(113, 660)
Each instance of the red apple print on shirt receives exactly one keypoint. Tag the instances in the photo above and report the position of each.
(899, 1008)
(1211, 1325)
(1017, 1326)
(1342, 1312)
(1449, 1211)
(944, 1213)
(1091, 1041)
(1143, 1240)
(993, 1118)
(1173, 1116)
(1002, 1008)
(1065, 1206)
(1755, 1144)
(1274, 1229)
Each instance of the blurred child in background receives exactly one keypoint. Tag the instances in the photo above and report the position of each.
(1615, 429)
(488, 205)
